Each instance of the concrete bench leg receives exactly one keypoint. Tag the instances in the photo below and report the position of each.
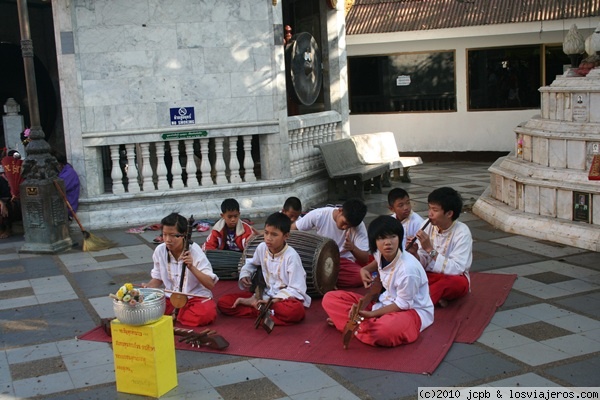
(386, 179)
(405, 175)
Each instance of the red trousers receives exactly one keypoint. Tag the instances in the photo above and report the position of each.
(349, 275)
(285, 312)
(389, 330)
(196, 312)
(447, 287)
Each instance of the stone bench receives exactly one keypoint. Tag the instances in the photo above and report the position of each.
(348, 174)
(378, 147)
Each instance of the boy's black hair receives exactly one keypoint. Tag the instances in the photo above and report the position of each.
(354, 210)
(395, 194)
(279, 221)
(230, 205)
(384, 226)
(447, 198)
(176, 220)
(293, 203)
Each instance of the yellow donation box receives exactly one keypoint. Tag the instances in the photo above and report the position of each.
(145, 357)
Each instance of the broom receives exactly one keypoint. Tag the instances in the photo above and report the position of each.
(90, 242)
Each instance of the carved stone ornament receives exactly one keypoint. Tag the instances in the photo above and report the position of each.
(347, 4)
(332, 4)
(274, 2)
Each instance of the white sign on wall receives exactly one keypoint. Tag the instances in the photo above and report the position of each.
(403, 80)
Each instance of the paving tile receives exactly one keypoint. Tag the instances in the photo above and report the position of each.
(388, 386)
(308, 379)
(575, 323)
(525, 380)
(75, 361)
(276, 367)
(482, 366)
(189, 382)
(535, 353)
(574, 345)
(544, 312)
(502, 339)
(582, 373)
(510, 318)
(75, 346)
(39, 367)
(540, 331)
(255, 389)
(41, 385)
(231, 373)
(330, 393)
(51, 284)
(546, 249)
(32, 353)
(92, 375)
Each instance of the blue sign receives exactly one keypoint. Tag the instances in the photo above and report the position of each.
(182, 116)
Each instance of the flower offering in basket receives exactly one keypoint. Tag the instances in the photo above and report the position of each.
(128, 294)
(138, 306)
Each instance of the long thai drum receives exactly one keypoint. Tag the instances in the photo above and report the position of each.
(320, 258)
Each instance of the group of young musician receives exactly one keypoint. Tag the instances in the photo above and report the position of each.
(408, 265)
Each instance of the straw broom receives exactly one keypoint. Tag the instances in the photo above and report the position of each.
(90, 242)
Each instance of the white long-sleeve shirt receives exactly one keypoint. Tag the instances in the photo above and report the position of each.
(321, 220)
(283, 272)
(454, 247)
(405, 284)
(411, 224)
(168, 270)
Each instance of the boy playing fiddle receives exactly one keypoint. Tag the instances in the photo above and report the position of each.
(283, 273)
(171, 260)
(404, 309)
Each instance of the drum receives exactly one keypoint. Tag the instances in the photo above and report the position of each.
(225, 263)
(320, 258)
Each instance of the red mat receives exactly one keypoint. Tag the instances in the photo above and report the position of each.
(313, 341)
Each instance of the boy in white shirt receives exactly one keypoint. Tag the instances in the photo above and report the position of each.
(283, 273)
(399, 203)
(345, 226)
(445, 247)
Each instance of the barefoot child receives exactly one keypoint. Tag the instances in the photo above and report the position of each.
(283, 274)
(171, 261)
(404, 309)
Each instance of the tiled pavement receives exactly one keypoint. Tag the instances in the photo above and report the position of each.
(546, 334)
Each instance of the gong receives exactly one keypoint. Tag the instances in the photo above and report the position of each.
(304, 70)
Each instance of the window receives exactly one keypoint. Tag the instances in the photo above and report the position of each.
(509, 78)
(408, 82)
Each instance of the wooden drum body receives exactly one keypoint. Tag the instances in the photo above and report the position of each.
(225, 263)
(320, 258)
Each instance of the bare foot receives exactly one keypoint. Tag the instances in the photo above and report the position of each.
(443, 303)
(330, 322)
(5, 234)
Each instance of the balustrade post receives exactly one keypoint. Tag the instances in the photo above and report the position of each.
(132, 172)
(176, 166)
(220, 179)
(234, 165)
(147, 183)
(248, 162)
(190, 165)
(161, 169)
(205, 164)
(116, 174)
(293, 151)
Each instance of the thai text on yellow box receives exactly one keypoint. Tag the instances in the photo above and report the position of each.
(145, 357)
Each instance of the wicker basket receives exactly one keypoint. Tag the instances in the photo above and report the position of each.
(141, 313)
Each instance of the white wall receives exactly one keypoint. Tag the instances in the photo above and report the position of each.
(460, 130)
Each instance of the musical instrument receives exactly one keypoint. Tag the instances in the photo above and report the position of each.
(179, 299)
(264, 316)
(207, 337)
(355, 318)
(409, 245)
(303, 67)
(320, 258)
(225, 263)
